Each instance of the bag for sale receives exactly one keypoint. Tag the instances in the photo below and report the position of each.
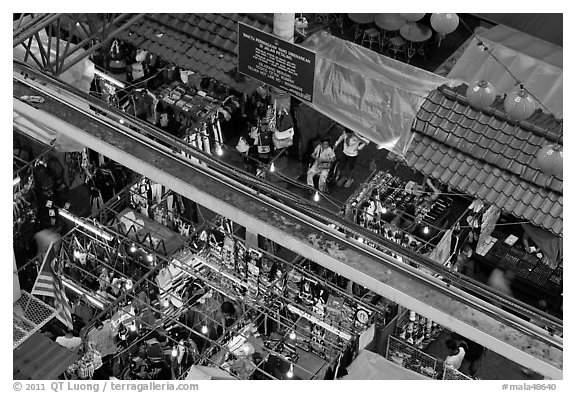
(284, 135)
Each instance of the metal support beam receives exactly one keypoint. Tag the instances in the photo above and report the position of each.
(374, 270)
(25, 32)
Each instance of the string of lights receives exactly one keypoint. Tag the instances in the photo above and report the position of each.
(491, 54)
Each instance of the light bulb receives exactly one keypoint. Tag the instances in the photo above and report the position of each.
(77, 254)
(219, 150)
(133, 248)
(150, 257)
(426, 230)
(165, 303)
(272, 168)
(174, 352)
(292, 335)
(204, 329)
(383, 210)
(121, 121)
(360, 240)
(316, 196)
(133, 327)
(290, 372)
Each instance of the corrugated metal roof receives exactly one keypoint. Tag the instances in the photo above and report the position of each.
(41, 358)
(204, 43)
(482, 154)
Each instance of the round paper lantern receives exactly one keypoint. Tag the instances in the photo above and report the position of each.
(519, 105)
(549, 160)
(480, 95)
(444, 23)
(412, 17)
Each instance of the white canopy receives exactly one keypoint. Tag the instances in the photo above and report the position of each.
(371, 366)
(535, 62)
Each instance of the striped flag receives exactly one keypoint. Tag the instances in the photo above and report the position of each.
(48, 283)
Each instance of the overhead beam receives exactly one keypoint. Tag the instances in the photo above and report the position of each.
(375, 271)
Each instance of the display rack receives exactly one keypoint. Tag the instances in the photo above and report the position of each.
(407, 356)
(29, 314)
(450, 373)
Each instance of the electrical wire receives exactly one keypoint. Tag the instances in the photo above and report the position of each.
(490, 52)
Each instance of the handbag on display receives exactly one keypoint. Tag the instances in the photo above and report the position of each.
(284, 135)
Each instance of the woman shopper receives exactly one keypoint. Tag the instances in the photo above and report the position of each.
(352, 146)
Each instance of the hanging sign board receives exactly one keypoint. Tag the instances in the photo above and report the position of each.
(276, 62)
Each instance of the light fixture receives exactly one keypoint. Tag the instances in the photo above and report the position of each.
(133, 248)
(204, 329)
(174, 352)
(133, 327)
(150, 257)
(519, 105)
(90, 227)
(121, 121)
(316, 196)
(426, 230)
(360, 240)
(272, 168)
(290, 372)
(549, 160)
(292, 335)
(165, 303)
(480, 94)
(219, 150)
(16, 181)
(76, 254)
(383, 210)
(109, 79)
(95, 302)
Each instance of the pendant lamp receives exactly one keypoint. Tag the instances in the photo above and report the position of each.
(549, 160)
(480, 95)
(412, 17)
(519, 105)
(444, 23)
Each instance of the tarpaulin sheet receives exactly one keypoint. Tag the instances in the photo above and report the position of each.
(534, 62)
(374, 95)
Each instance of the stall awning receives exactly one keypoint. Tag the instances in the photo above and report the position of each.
(203, 43)
(483, 155)
(374, 95)
(535, 62)
(41, 358)
(371, 366)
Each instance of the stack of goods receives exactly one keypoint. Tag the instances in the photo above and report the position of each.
(317, 340)
(293, 280)
(417, 330)
(253, 270)
(184, 98)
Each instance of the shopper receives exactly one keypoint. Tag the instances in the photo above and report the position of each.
(464, 264)
(457, 353)
(501, 281)
(323, 156)
(352, 146)
(69, 341)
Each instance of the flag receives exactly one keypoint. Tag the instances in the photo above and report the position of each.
(49, 283)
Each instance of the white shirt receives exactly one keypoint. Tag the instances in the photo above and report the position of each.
(323, 155)
(352, 145)
(455, 360)
(71, 343)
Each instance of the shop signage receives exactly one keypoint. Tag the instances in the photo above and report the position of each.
(276, 62)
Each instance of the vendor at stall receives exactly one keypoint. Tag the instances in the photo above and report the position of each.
(226, 316)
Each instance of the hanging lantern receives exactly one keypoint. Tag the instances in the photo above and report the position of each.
(549, 160)
(480, 95)
(412, 17)
(444, 23)
(519, 105)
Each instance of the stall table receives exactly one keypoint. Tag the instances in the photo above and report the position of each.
(360, 19)
(389, 22)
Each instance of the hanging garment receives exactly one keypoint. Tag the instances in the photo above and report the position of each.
(96, 201)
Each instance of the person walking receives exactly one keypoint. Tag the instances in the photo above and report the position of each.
(352, 144)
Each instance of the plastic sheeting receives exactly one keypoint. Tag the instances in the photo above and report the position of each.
(374, 95)
(536, 63)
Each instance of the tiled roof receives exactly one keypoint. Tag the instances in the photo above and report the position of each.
(482, 154)
(204, 43)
